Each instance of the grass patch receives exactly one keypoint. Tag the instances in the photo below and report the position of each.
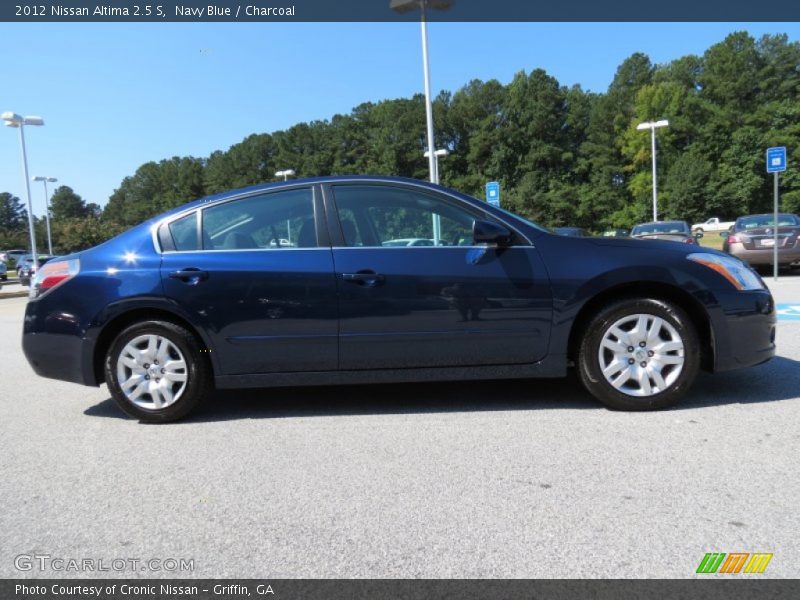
(712, 240)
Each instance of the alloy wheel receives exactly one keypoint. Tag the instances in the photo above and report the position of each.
(641, 355)
(151, 372)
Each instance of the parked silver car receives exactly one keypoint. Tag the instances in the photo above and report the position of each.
(753, 239)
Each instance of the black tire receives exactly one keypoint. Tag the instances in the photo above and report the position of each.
(589, 367)
(199, 379)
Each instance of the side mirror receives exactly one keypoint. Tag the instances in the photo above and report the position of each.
(486, 232)
(698, 235)
(724, 234)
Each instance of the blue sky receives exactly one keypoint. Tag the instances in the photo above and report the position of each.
(114, 96)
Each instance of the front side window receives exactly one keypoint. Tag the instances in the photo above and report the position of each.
(390, 217)
(273, 221)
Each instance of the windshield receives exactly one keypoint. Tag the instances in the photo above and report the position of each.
(524, 220)
(665, 227)
(745, 223)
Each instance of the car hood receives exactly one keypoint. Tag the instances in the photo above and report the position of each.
(663, 236)
(652, 244)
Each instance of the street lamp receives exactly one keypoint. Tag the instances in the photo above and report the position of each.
(404, 6)
(441, 153)
(12, 119)
(437, 220)
(652, 126)
(47, 206)
(285, 174)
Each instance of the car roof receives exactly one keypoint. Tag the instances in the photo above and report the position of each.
(276, 185)
(785, 214)
(661, 223)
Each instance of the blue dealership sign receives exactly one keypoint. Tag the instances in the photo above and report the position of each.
(493, 193)
(776, 159)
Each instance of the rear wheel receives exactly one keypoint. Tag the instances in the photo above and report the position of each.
(155, 371)
(639, 354)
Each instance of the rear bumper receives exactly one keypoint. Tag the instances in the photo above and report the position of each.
(55, 347)
(744, 329)
(56, 357)
(764, 256)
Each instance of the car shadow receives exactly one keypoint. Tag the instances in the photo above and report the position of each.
(773, 381)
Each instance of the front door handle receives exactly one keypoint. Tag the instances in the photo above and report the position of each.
(189, 275)
(365, 278)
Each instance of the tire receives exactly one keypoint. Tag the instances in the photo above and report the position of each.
(699, 230)
(681, 343)
(157, 393)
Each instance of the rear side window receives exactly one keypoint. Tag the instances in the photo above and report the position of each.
(184, 233)
(274, 221)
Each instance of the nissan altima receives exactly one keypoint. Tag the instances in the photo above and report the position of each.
(293, 284)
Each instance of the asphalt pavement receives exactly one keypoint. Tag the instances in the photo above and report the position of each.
(515, 479)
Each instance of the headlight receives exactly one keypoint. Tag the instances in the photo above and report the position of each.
(735, 271)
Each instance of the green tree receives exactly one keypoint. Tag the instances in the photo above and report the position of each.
(74, 234)
(13, 215)
(66, 204)
(154, 188)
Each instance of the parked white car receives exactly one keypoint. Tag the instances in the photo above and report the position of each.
(713, 224)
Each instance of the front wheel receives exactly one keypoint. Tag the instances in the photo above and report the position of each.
(639, 354)
(156, 372)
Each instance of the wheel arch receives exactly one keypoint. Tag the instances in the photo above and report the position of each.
(128, 317)
(647, 289)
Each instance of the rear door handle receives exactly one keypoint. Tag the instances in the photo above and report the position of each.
(365, 278)
(190, 275)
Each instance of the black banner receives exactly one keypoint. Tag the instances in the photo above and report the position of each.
(132, 11)
(380, 589)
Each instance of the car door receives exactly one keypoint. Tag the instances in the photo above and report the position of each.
(414, 291)
(256, 273)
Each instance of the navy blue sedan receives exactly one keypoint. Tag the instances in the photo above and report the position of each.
(302, 283)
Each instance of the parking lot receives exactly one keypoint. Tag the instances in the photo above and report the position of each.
(528, 478)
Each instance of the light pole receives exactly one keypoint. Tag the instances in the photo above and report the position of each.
(47, 206)
(652, 126)
(404, 6)
(12, 119)
(441, 153)
(286, 173)
(437, 220)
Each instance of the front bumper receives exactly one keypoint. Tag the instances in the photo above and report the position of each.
(744, 329)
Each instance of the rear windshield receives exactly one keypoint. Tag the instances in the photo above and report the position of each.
(665, 227)
(745, 223)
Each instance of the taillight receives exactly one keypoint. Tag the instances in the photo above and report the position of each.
(53, 274)
(689, 241)
(732, 239)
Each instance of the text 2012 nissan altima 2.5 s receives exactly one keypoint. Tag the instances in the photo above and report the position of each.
(291, 284)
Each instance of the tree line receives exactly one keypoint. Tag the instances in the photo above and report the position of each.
(563, 155)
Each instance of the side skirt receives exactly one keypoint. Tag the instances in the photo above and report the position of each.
(552, 366)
